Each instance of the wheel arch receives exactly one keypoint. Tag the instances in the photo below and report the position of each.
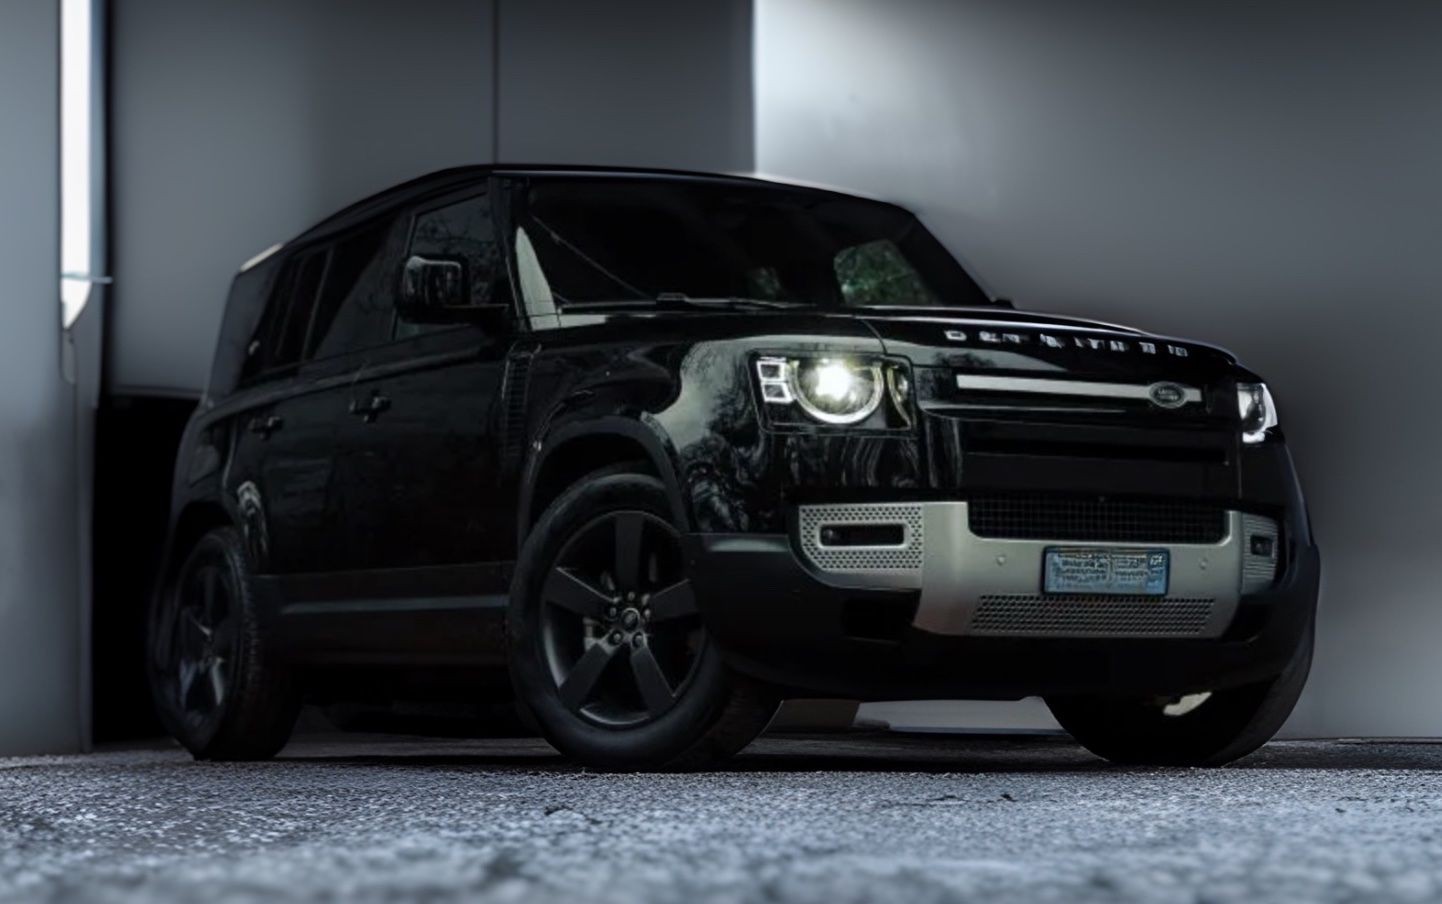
(568, 453)
(196, 519)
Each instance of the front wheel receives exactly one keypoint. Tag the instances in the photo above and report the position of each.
(1202, 729)
(608, 650)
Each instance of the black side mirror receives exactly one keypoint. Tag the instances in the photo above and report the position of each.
(438, 290)
(430, 286)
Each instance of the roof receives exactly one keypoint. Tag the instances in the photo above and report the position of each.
(460, 175)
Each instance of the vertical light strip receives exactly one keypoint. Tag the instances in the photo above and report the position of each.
(77, 157)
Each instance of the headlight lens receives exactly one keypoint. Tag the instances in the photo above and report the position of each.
(1257, 410)
(831, 389)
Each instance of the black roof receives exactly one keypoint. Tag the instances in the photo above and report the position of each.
(461, 175)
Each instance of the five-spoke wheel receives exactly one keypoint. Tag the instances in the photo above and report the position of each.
(609, 648)
(620, 628)
(216, 683)
(193, 650)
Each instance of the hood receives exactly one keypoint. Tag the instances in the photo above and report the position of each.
(1003, 339)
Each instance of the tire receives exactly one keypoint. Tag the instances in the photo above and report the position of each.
(217, 684)
(1224, 726)
(589, 634)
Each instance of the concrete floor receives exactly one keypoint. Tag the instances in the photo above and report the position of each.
(856, 818)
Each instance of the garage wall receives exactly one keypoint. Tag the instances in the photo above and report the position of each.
(237, 125)
(632, 82)
(40, 701)
(1260, 176)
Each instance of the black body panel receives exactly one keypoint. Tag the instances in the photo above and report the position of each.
(385, 490)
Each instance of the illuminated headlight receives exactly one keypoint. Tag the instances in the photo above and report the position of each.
(831, 389)
(1257, 410)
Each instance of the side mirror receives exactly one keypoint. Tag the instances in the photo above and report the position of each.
(438, 290)
(430, 286)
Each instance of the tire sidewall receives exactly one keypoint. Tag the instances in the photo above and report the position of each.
(1129, 733)
(261, 701)
(193, 737)
(654, 743)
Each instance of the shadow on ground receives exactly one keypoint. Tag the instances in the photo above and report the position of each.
(871, 751)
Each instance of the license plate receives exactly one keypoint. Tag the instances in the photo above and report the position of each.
(1121, 572)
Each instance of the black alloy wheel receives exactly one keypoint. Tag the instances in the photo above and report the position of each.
(218, 683)
(193, 651)
(608, 647)
(619, 626)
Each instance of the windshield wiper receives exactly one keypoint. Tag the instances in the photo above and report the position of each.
(684, 300)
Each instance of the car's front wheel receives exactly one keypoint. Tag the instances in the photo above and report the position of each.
(1202, 729)
(608, 650)
(218, 686)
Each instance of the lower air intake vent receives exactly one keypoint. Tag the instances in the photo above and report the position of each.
(1090, 616)
(1044, 517)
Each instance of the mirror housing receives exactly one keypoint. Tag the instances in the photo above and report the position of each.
(438, 290)
(431, 285)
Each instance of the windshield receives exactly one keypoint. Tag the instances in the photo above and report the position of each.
(606, 241)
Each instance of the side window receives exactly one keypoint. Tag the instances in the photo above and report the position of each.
(461, 231)
(357, 300)
(278, 339)
(877, 273)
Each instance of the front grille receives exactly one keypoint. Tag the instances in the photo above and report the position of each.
(1045, 517)
(1090, 616)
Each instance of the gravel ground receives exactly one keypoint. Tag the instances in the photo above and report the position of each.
(855, 818)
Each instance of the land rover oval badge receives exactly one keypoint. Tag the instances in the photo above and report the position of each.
(1167, 395)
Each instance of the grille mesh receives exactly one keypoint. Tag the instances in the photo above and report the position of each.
(1258, 572)
(1090, 616)
(905, 557)
(1044, 517)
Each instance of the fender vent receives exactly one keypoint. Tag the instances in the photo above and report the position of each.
(514, 383)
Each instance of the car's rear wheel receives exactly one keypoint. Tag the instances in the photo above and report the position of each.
(608, 650)
(1201, 729)
(217, 685)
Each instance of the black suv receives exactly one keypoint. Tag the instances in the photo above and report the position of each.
(654, 450)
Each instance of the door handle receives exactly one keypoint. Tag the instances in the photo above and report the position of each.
(265, 426)
(369, 410)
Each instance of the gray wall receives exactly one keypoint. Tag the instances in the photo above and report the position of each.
(40, 697)
(1264, 176)
(237, 125)
(637, 82)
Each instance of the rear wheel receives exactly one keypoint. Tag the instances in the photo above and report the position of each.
(608, 649)
(217, 685)
(1201, 729)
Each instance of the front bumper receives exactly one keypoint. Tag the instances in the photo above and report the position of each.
(949, 614)
(971, 584)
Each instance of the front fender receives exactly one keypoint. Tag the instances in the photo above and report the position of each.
(560, 436)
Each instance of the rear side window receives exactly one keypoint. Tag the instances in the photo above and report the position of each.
(280, 337)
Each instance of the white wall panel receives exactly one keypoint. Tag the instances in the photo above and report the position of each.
(40, 700)
(1261, 176)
